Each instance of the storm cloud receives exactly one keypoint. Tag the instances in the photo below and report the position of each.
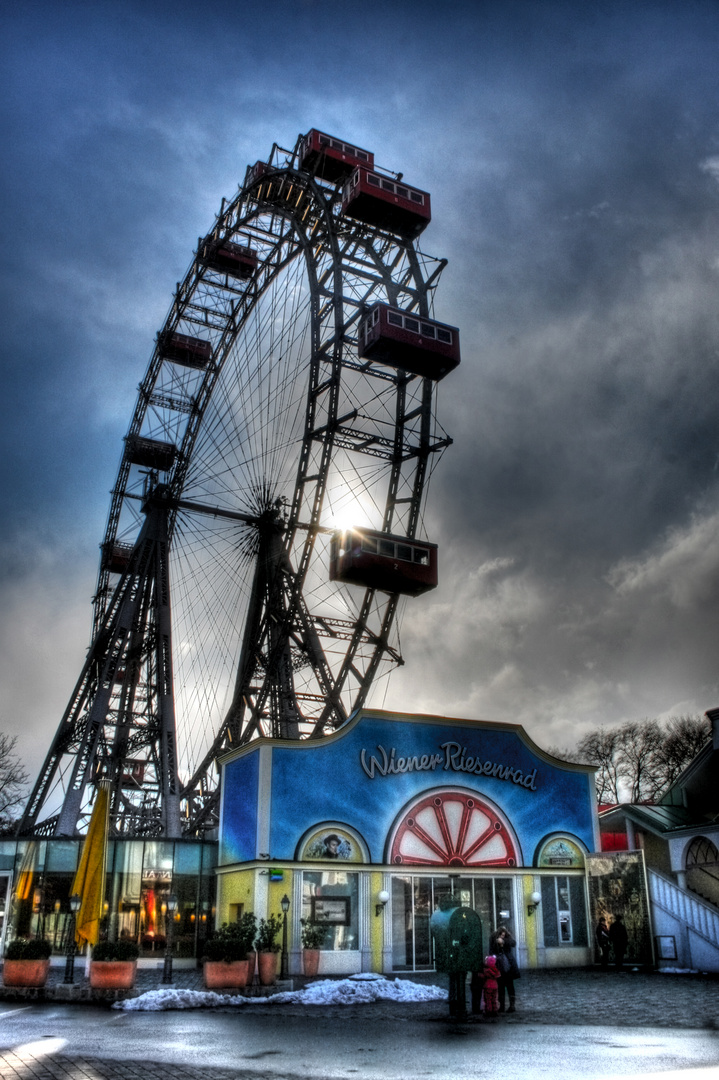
(572, 153)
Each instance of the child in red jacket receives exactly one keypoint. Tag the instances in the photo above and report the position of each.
(491, 975)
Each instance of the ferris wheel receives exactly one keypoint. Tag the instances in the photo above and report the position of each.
(266, 521)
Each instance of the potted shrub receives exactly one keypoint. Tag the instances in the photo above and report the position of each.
(248, 922)
(226, 965)
(313, 937)
(268, 948)
(27, 962)
(114, 965)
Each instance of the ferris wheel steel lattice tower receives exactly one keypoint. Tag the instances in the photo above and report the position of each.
(290, 395)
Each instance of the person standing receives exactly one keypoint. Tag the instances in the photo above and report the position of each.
(490, 989)
(619, 939)
(601, 936)
(502, 945)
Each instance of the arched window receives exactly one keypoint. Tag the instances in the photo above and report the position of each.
(701, 852)
(452, 828)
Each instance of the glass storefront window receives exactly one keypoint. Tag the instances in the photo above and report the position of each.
(62, 857)
(140, 876)
(125, 892)
(503, 907)
(156, 887)
(415, 898)
(402, 924)
(564, 911)
(341, 920)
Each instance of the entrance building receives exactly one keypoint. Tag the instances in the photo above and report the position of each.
(366, 830)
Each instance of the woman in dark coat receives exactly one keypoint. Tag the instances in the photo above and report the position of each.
(601, 936)
(502, 944)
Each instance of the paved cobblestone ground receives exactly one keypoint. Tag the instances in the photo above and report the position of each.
(587, 997)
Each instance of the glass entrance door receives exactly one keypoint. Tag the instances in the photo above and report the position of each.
(415, 898)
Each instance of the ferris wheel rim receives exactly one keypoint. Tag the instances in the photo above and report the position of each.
(326, 204)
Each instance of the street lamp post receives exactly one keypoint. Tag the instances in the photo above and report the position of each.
(75, 902)
(285, 905)
(56, 909)
(169, 919)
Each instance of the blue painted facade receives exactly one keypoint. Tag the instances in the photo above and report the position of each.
(369, 773)
(238, 839)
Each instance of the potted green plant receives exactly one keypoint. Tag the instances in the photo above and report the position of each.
(268, 948)
(313, 937)
(248, 922)
(27, 962)
(226, 965)
(114, 965)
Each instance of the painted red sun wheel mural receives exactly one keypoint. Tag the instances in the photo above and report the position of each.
(451, 828)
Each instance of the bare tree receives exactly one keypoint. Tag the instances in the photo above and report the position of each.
(640, 759)
(603, 748)
(684, 738)
(13, 779)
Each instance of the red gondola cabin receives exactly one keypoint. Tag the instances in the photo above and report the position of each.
(256, 172)
(150, 453)
(134, 773)
(331, 158)
(189, 351)
(403, 340)
(390, 204)
(377, 561)
(229, 258)
(116, 557)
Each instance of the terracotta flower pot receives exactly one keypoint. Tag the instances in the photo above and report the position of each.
(25, 972)
(220, 975)
(112, 974)
(311, 962)
(267, 967)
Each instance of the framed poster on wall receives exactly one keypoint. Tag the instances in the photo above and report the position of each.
(331, 910)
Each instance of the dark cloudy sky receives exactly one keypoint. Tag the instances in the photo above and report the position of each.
(572, 153)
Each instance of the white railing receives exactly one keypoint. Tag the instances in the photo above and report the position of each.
(701, 917)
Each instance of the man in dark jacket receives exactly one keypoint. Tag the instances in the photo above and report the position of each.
(619, 939)
(601, 936)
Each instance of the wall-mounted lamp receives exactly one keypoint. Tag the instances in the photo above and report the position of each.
(534, 902)
(382, 898)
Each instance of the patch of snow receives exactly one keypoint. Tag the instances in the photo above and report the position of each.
(157, 1000)
(362, 990)
(678, 971)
